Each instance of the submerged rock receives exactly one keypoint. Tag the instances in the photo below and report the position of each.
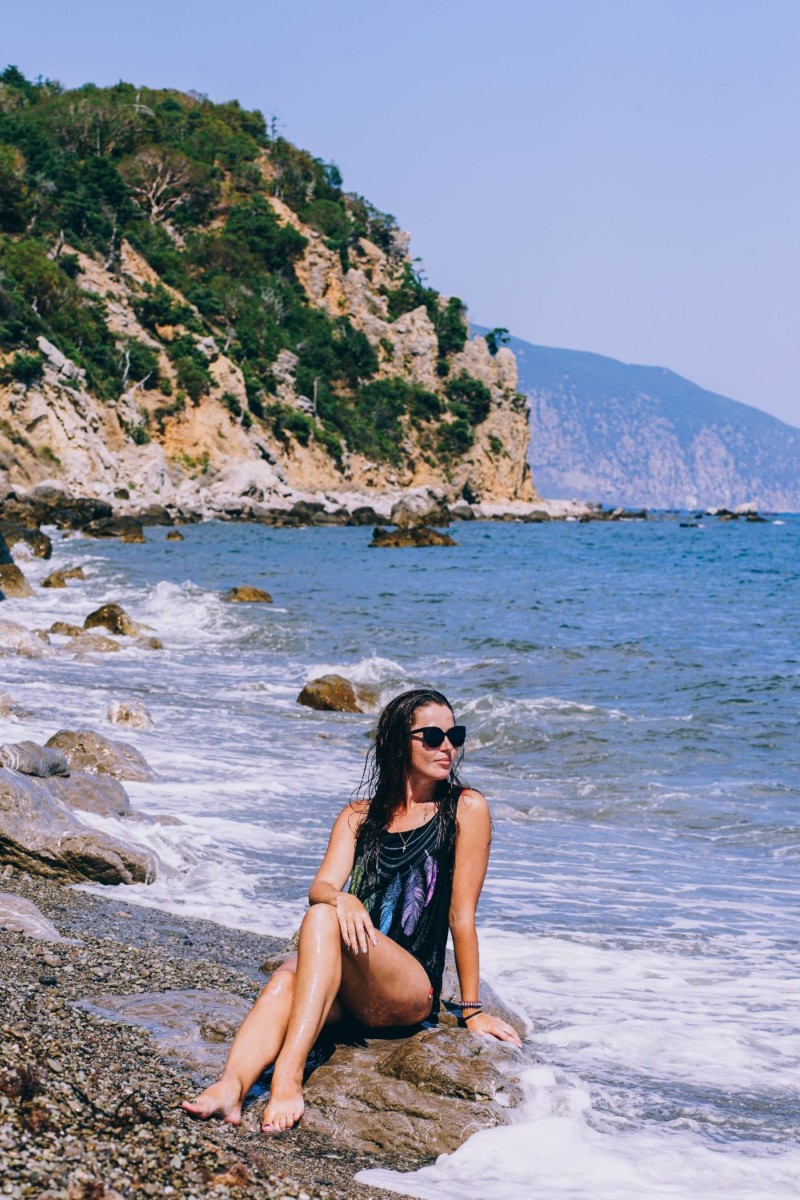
(420, 535)
(129, 712)
(174, 535)
(16, 639)
(92, 643)
(127, 529)
(114, 618)
(37, 542)
(56, 579)
(65, 629)
(247, 595)
(89, 751)
(41, 835)
(334, 693)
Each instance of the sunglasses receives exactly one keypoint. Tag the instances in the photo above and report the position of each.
(433, 736)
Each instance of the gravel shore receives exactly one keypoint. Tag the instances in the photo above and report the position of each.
(89, 1109)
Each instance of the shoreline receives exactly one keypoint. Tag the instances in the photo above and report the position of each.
(92, 1106)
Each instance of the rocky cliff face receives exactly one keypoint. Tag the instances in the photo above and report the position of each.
(213, 452)
(605, 431)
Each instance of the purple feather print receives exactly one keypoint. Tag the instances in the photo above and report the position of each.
(431, 871)
(412, 901)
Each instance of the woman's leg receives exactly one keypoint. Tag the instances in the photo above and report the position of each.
(384, 986)
(255, 1047)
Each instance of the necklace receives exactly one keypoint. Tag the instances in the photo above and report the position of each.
(405, 840)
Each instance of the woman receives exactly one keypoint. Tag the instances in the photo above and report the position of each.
(415, 854)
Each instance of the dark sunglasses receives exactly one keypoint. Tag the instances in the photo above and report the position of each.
(433, 736)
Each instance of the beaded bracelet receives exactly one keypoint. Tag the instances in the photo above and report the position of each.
(470, 1004)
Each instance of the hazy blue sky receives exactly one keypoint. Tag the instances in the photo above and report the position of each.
(619, 176)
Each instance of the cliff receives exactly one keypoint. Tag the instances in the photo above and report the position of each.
(610, 432)
(193, 312)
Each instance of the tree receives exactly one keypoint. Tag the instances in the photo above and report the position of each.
(160, 181)
(496, 338)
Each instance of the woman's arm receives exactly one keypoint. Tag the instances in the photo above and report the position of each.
(472, 859)
(354, 920)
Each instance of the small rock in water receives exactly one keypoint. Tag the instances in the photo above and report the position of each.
(65, 629)
(334, 693)
(420, 535)
(13, 583)
(129, 712)
(92, 643)
(174, 535)
(149, 643)
(89, 751)
(56, 579)
(247, 595)
(114, 618)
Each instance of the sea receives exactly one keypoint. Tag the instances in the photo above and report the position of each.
(631, 691)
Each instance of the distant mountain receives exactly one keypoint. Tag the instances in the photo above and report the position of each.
(603, 430)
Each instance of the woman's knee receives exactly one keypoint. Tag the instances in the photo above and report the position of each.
(280, 984)
(320, 919)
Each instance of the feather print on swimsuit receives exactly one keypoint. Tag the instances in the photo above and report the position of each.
(413, 901)
(431, 871)
(389, 901)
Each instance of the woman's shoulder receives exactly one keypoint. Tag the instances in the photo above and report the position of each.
(353, 814)
(471, 798)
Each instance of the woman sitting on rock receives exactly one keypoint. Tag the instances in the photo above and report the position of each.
(415, 855)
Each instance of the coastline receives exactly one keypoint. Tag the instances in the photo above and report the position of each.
(92, 1106)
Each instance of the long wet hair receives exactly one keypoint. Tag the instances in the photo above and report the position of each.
(386, 770)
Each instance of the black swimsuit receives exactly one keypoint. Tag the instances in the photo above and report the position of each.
(409, 900)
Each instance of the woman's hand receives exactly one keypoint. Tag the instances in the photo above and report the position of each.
(485, 1024)
(355, 923)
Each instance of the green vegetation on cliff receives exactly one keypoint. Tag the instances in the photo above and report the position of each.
(187, 183)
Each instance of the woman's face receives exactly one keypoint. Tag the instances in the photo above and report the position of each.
(426, 763)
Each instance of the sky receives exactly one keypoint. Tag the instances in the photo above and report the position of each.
(618, 176)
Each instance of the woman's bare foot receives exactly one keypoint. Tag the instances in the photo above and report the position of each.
(285, 1107)
(222, 1099)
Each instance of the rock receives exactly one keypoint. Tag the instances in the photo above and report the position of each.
(174, 535)
(22, 916)
(89, 751)
(41, 835)
(247, 595)
(154, 514)
(150, 643)
(100, 794)
(114, 618)
(5, 553)
(419, 536)
(13, 583)
(92, 643)
(16, 639)
(334, 693)
(56, 579)
(127, 529)
(419, 508)
(64, 629)
(129, 712)
(38, 543)
(31, 759)
(365, 514)
(74, 573)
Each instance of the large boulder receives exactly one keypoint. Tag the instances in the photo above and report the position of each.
(89, 751)
(419, 508)
(13, 583)
(29, 758)
(113, 618)
(41, 835)
(101, 794)
(127, 529)
(420, 535)
(334, 693)
(37, 542)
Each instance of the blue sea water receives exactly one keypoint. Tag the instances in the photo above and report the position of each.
(631, 693)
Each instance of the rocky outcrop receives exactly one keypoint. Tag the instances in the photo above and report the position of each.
(41, 835)
(417, 536)
(334, 693)
(89, 751)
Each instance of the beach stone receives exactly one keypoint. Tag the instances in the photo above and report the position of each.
(89, 751)
(41, 835)
(13, 583)
(403, 538)
(37, 542)
(247, 595)
(113, 618)
(22, 916)
(127, 529)
(92, 643)
(129, 712)
(16, 639)
(65, 629)
(334, 693)
(100, 794)
(31, 759)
